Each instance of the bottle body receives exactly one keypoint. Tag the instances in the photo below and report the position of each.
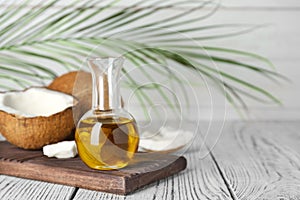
(106, 142)
(106, 136)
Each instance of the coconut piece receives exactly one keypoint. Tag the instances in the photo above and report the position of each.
(78, 84)
(166, 140)
(2, 138)
(35, 117)
(65, 149)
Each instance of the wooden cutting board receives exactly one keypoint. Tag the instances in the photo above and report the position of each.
(144, 169)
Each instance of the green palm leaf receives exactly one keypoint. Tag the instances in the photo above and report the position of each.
(65, 35)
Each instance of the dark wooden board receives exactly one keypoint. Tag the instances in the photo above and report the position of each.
(144, 169)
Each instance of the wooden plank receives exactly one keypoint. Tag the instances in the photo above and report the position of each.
(257, 160)
(144, 169)
(260, 160)
(201, 180)
(17, 188)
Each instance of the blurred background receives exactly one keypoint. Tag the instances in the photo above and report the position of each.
(276, 37)
(278, 41)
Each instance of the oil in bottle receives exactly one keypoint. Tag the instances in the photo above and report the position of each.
(106, 143)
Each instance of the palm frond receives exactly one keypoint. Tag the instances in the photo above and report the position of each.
(65, 35)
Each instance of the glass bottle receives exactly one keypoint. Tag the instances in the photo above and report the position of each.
(106, 136)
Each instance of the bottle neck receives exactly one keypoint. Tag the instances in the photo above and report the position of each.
(106, 88)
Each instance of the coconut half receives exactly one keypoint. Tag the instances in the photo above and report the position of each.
(35, 117)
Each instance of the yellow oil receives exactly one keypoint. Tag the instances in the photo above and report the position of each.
(106, 144)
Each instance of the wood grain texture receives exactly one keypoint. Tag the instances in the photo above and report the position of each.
(201, 180)
(16, 188)
(144, 169)
(260, 160)
(255, 160)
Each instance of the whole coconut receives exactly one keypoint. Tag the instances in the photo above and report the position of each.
(78, 84)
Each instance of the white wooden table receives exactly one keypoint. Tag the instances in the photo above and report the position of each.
(253, 160)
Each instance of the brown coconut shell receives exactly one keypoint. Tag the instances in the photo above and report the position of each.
(36, 132)
(78, 84)
(66, 82)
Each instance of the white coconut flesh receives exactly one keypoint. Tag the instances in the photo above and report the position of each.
(164, 140)
(35, 102)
